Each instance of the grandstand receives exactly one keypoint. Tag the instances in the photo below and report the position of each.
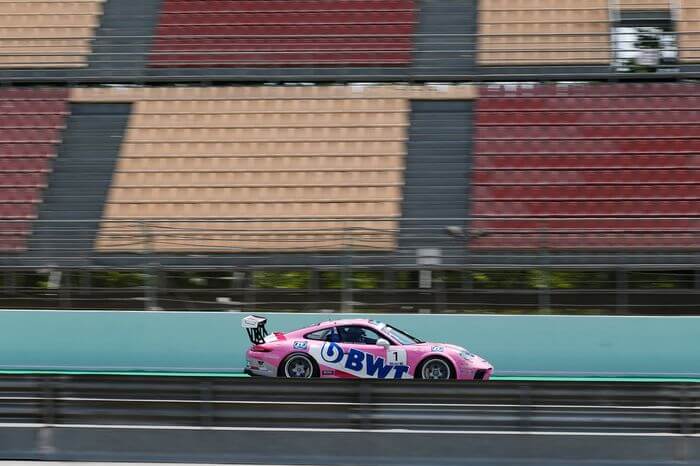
(316, 137)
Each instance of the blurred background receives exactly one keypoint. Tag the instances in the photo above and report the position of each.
(377, 157)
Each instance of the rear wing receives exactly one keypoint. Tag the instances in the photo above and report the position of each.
(255, 326)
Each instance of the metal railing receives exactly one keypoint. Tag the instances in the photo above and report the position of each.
(341, 422)
(224, 402)
(418, 265)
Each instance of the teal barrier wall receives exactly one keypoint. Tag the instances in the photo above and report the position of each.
(215, 342)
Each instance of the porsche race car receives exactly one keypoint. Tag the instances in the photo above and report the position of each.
(356, 348)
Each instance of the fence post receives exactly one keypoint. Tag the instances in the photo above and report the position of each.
(544, 294)
(621, 291)
(44, 439)
(347, 304)
(151, 285)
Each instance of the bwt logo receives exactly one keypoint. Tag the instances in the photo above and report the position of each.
(366, 364)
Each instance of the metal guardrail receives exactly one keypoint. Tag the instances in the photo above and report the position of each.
(325, 422)
(268, 403)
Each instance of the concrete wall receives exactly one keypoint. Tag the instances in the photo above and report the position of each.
(193, 341)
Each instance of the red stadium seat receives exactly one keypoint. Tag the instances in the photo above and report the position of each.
(235, 33)
(564, 160)
(31, 120)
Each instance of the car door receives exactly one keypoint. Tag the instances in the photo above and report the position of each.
(364, 358)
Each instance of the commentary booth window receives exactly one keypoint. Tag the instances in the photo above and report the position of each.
(644, 42)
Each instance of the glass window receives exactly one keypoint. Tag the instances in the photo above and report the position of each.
(358, 335)
(402, 337)
(322, 335)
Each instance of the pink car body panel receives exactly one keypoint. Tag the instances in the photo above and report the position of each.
(353, 360)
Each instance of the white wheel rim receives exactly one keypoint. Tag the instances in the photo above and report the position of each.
(436, 369)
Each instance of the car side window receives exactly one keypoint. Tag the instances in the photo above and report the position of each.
(327, 334)
(358, 335)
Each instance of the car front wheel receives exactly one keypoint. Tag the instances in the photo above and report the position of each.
(436, 369)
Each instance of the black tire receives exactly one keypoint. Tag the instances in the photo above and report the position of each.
(435, 368)
(295, 363)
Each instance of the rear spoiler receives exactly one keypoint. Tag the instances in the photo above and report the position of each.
(255, 326)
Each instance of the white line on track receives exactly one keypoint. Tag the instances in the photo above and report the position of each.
(347, 403)
(346, 430)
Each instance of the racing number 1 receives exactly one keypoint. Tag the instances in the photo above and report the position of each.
(396, 357)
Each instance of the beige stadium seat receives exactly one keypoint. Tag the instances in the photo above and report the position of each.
(333, 157)
(688, 29)
(535, 32)
(644, 4)
(47, 34)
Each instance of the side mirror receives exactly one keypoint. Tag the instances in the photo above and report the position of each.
(383, 343)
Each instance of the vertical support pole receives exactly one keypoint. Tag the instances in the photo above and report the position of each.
(151, 270)
(440, 291)
(249, 294)
(315, 290)
(388, 291)
(544, 294)
(621, 291)
(10, 281)
(347, 304)
(85, 282)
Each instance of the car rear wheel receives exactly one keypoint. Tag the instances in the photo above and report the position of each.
(298, 366)
(436, 369)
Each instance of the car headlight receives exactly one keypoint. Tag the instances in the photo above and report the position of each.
(466, 355)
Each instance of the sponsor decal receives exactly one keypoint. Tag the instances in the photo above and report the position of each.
(300, 345)
(437, 349)
(327, 372)
(361, 363)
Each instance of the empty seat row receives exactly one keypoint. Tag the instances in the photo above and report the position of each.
(587, 161)
(17, 164)
(33, 107)
(588, 132)
(287, 17)
(236, 194)
(539, 156)
(587, 117)
(27, 149)
(273, 33)
(47, 34)
(280, 178)
(19, 194)
(597, 90)
(10, 211)
(531, 32)
(323, 157)
(170, 35)
(205, 6)
(655, 240)
(579, 225)
(31, 120)
(585, 146)
(567, 32)
(585, 192)
(21, 179)
(591, 208)
(535, 177)
(31, 135)
(584, 103)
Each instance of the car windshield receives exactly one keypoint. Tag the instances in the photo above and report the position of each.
(401, 336)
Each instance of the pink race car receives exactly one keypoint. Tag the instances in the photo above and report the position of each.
(356, 348)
